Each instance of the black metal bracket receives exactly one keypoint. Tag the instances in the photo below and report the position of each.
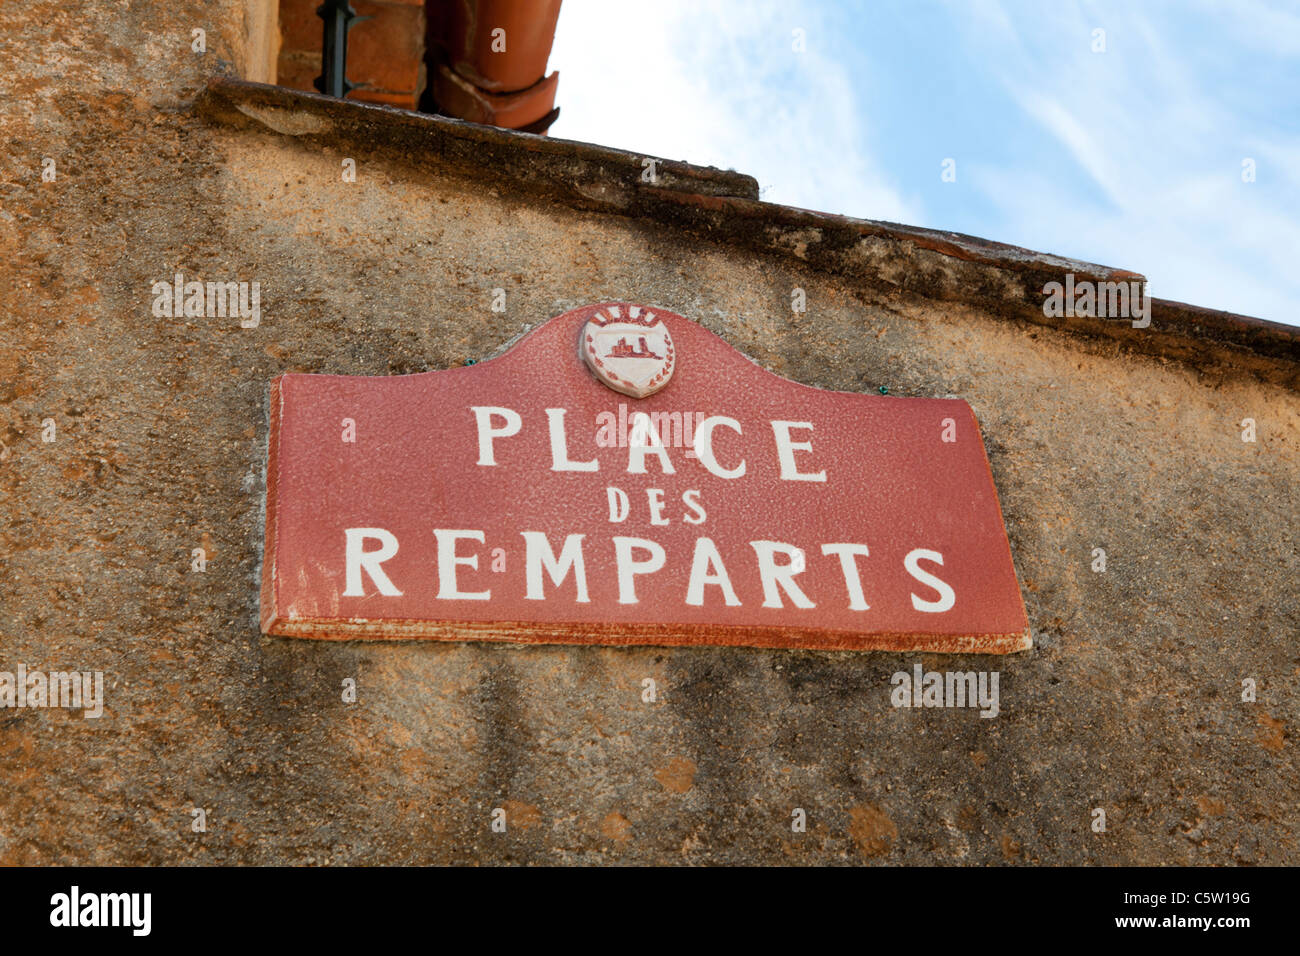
(339, 18)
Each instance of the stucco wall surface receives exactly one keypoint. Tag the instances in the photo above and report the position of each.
(1130, 700)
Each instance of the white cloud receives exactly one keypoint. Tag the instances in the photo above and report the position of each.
(1159, 144)
(720, 85)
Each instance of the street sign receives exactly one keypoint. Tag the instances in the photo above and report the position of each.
(534, 497)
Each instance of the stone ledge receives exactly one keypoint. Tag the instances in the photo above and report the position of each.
(724, 206)
(559, 166)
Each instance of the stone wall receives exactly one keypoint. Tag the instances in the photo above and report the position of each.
(1130, 700)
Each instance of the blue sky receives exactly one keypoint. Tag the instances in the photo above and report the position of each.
(1131, 157)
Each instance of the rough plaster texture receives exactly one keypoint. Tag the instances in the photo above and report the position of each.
(1130, 700)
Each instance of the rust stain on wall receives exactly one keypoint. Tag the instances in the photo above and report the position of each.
(677, 776)
(1271, 734)
(872, 829)
(616, 827)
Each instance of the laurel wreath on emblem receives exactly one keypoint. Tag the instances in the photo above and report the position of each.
(635, 316)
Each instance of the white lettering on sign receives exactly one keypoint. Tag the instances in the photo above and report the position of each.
(448, 560)
(946, 596)
(785, 449)
(357, 559)
(707, 568)
(560, 446)
(704, 446)
(780, 577)
(629, 567)
(486, 433)
(847, 554)
(780, 564)
(495, 422)
(539, 555)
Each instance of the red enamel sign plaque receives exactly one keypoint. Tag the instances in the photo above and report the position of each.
(535, 497)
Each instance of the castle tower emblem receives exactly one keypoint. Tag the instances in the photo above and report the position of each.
(629, 349)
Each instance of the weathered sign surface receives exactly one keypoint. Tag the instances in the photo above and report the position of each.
(522, 499)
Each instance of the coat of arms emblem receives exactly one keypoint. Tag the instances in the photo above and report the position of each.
(629, 349)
